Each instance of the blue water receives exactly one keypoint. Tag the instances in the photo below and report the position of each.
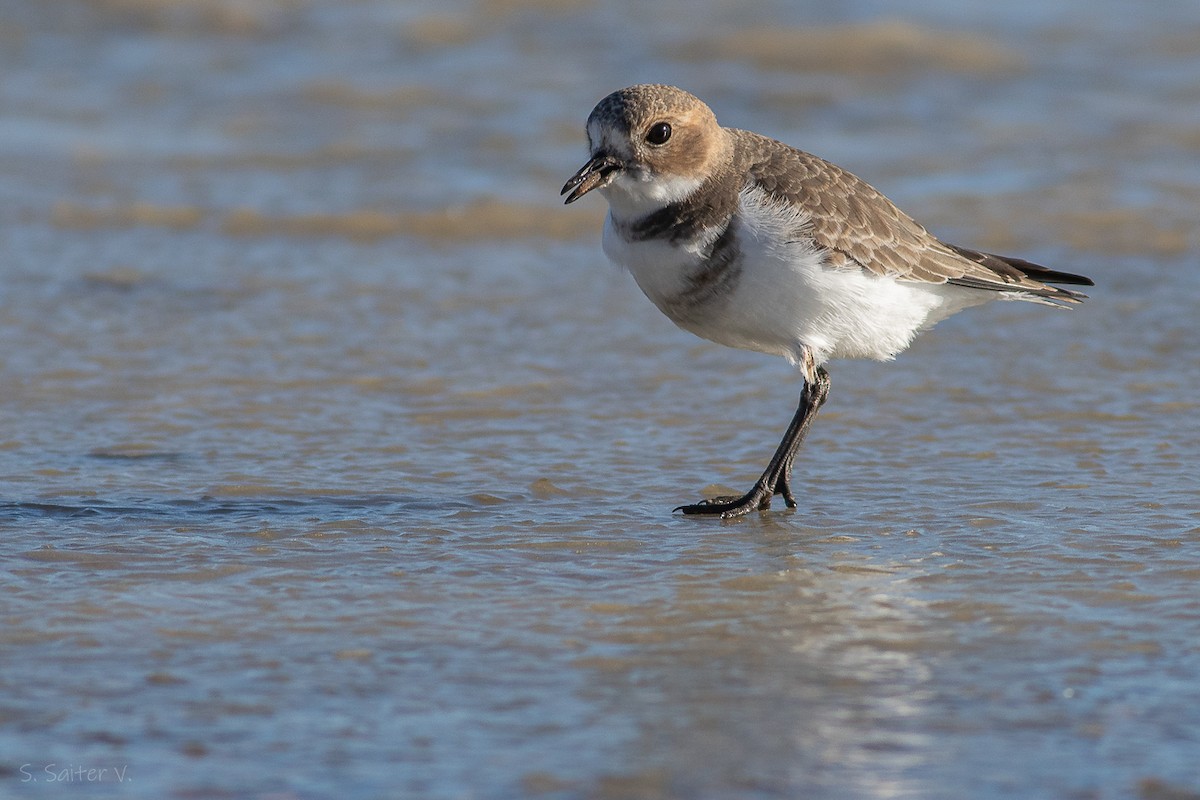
(336, 461)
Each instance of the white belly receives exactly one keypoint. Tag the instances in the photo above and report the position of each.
(785, 298)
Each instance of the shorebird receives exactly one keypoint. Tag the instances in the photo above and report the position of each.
(751, 243)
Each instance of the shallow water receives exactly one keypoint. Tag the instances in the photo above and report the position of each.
(336, 461)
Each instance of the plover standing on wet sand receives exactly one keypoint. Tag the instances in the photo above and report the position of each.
(751, 243)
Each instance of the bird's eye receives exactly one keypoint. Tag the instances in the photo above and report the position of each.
(659, 133)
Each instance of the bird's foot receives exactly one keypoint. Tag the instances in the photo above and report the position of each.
(728, 507)
(783, 487)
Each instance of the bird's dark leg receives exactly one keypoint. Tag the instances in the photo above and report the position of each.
(819, 395)
(778, 476)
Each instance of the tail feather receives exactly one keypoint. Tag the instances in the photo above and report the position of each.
(1022, 277)
(1045, 274)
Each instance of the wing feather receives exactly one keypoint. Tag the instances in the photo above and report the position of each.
(860, 228)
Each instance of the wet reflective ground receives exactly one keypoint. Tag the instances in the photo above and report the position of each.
(336, 461)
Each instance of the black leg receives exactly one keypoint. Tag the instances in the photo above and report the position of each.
(778, 476)
(820, 394)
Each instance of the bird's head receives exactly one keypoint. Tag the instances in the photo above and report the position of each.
(650, 145)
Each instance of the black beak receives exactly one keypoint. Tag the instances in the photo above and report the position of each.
(595, 174)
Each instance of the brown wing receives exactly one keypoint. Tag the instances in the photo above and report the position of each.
(863, 229)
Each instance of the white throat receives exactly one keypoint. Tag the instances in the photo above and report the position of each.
(635, 193)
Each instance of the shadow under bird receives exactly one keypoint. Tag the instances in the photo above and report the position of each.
(751, 243)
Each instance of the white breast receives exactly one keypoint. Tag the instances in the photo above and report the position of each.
(786, 297)
(659, 267)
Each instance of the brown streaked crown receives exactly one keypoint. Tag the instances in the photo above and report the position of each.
(696, 138)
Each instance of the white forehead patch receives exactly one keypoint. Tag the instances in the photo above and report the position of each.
(604, 137)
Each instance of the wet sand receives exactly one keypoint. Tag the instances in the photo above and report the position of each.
(337, 461)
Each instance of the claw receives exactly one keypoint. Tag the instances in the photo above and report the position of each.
(778, 477)
(758, 499)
